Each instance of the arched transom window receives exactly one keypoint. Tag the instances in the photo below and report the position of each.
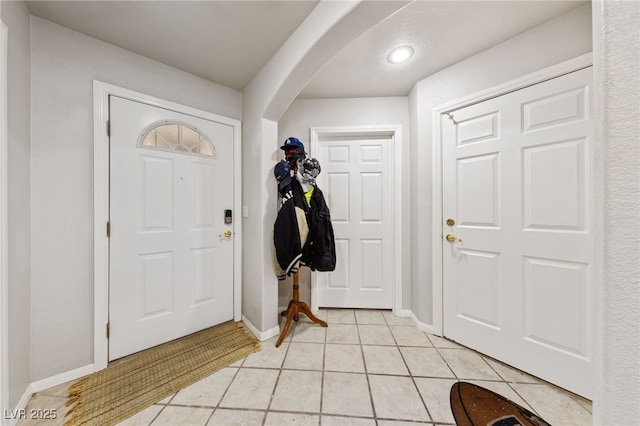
(176, 136)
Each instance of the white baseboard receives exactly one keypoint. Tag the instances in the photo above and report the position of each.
(260, 335)
(59, 379)
(427, 328)
(49, 382)
(20, 407)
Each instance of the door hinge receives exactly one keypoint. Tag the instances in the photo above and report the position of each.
(108, 229)
(108, 127)
(108, 329)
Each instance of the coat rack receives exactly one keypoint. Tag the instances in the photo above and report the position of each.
(295, 308)
(294, 152)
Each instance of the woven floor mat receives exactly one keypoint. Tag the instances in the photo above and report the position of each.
(138, 381)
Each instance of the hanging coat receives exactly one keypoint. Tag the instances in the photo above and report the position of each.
(319, 253)
(290, 230)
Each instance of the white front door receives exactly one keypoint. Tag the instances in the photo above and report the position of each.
(171, 264)
(357, 180)
(517, 182)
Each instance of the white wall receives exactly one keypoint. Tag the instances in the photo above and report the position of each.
(306, 113)
(64, 64)
(329, 27)
(271, 89)
(617, 176)
(563, 38)
(16, 17)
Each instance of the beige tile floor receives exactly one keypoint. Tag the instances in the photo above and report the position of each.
(366, 368)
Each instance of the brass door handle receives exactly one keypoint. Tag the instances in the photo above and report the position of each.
(226, 234)
(452, 238)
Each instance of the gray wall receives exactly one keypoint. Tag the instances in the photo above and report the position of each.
(64, 65)
(16, 17)
(555, 41)
(307, 113)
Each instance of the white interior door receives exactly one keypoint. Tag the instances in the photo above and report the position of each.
(171, 264)
(517, 184)
(357, 180)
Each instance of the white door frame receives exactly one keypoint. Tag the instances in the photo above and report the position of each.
(101, 92)
(395, 132)
(4, 227)
(549, 73)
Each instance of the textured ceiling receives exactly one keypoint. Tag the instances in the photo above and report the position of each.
(442, 34)
(228, 42)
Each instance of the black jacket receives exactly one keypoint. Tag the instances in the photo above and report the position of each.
(319, 253)
(291, 230)
(303, 234)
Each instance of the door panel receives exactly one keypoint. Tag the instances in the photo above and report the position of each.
(517, 182)
(479, 286)
(339, 187)
(357, 175)
(555, 304)
(555, 201)
(171, 268)
(479, 194)
(555, 109)
(156, 192)
(157, 283)
(372, 260)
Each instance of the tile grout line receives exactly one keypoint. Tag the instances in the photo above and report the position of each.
(164, 406)
(444, 359)
(284, 358)
(366, 371)
(324, 360)
(241, 365)
(226, 390)
(415, 385)
(529, 406)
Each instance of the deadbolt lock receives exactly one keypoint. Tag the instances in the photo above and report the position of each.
(450, 222)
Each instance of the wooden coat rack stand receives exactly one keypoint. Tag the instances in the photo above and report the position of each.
(295, 308)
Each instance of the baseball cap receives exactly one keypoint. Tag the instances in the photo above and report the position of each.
(282, 172)
(292, 143)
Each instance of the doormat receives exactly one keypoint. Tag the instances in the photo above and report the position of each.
(474, 405)
(138, 381)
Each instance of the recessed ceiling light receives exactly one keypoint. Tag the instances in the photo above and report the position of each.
(400, 54)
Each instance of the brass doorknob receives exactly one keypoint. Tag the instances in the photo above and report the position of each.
(452, 238)
(226, 234)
